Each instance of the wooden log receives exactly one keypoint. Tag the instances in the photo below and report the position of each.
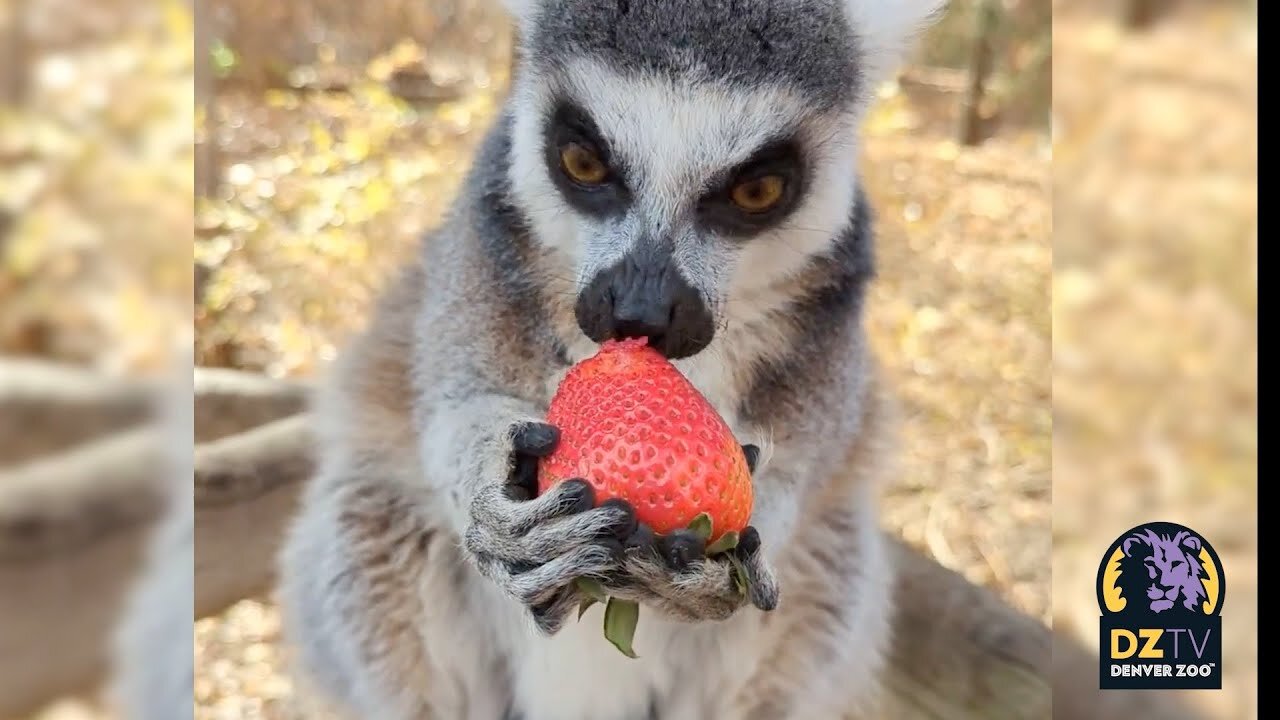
(230, 401)
(46, 407)
(246, 489)
(959, 652)
(72, 532)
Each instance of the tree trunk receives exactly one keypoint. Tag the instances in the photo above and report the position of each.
(1139, 14)
(14, 62)
(207, 171)
(981, 61)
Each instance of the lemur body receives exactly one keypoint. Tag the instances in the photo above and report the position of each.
(682, 171)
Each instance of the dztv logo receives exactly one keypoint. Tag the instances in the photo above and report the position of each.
(1160, 589)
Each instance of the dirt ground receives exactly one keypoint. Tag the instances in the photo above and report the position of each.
(1087, 299)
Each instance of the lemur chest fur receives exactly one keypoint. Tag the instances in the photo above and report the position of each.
(683, 672)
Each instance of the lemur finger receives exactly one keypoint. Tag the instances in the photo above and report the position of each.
(530, 441)
(550, 616)
(753, 456)
(614, 520)
(522, 486)
(748, 543)
(762, 585)
(643, 538)
(494, 509)
(535, 438)
(536, 585)
(675, 562)
(704, 591)
(681, 549)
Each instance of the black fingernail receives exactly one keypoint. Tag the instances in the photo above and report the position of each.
(765, 601)
(642, 537)
(753, 456)
(518, 493)
(748, 542)
(681, 549)
(548, 615)
(625, 525)
(578, 495)
(525, 476)
(534, 438)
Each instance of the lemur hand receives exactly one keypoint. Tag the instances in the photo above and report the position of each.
(536, 547)
(674, 575)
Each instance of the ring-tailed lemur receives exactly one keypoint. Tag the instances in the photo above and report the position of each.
(680, 170)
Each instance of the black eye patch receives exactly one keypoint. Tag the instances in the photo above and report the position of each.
(568, 124)
(782, 158)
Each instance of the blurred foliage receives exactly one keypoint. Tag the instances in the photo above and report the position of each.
(1020, 90)
(95, 186)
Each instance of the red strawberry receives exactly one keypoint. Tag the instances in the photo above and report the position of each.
(636, 429)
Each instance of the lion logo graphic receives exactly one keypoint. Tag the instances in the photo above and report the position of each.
(1171, 566)
(1166, 567)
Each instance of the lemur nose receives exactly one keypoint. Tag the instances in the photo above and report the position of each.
(640, 314)
(644, 297)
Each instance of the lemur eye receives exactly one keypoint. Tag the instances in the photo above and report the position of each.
(582, 164)
(759, 194)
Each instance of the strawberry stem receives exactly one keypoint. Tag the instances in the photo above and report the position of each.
(727, 542)
(702, 526)
(739, 575)
(620, 619)
(591, 588)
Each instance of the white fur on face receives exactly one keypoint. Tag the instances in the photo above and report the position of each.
(674, 138)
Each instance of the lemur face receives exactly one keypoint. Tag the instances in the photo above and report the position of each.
(686, 157)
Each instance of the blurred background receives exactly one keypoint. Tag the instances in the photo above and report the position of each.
(1116, 336)
(1155, 247)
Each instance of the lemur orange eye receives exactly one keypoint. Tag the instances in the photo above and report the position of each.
(758, 195)
(582, 164)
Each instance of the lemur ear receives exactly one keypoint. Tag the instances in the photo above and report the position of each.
(886, 31)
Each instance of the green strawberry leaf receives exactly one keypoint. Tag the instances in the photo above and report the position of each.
(620, 619)
(701, 525)
(585, 605)
(592, 589)
(739, 575)
(727, 542)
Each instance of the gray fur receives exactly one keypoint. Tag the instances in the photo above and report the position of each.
(805, 45)
(420, 579)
